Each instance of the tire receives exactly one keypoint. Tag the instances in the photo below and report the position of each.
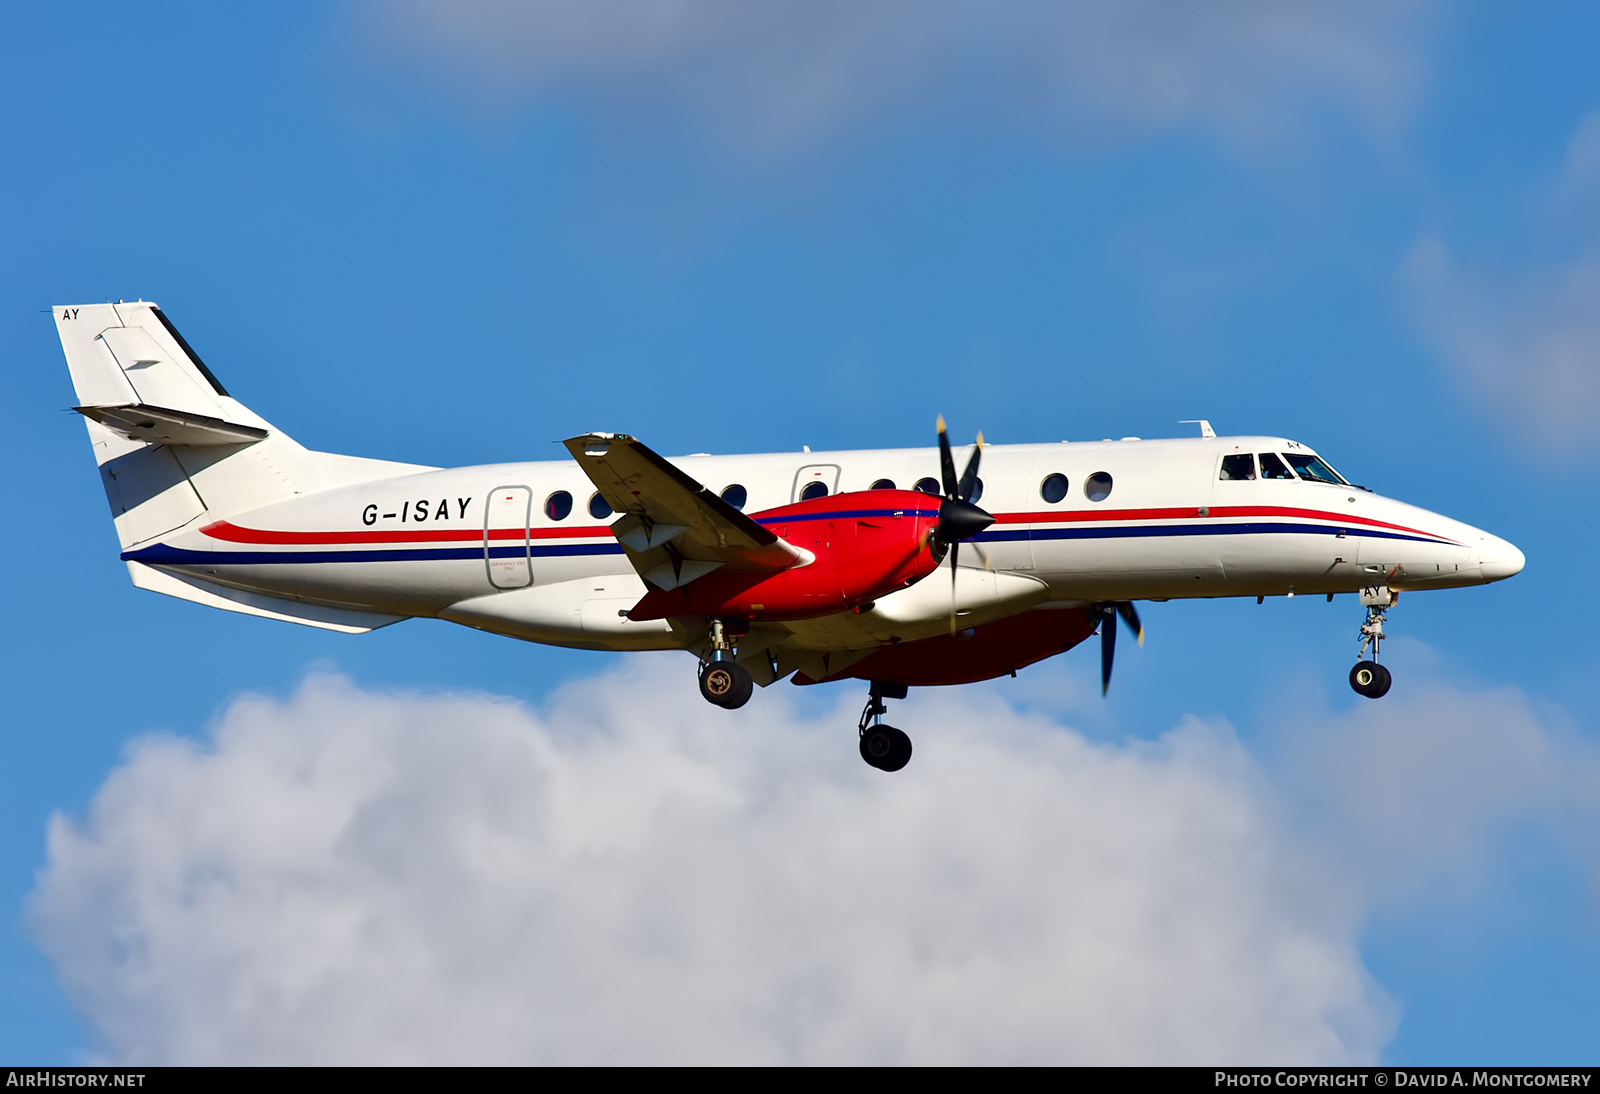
(1370, 679)
(885, 748)
(1380, 687)
(726, 684)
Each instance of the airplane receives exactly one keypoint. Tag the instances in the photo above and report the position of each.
(874, 565)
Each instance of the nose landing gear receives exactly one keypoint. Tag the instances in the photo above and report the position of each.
(884, 747)
(723, 681)
(1369, 678)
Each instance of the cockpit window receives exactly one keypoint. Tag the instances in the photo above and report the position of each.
(1312, 469)
(1272, 467)
(1238, 467)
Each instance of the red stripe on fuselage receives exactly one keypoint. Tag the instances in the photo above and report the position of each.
(1191, 513)
(232, 533)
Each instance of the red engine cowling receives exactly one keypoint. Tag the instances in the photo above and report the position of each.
(991, 650)
(867, 544)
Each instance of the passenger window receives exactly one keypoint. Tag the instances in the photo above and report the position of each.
(599, 508)
(1272, 467)
(929, 486)
(1097, 487)
(1238, 467)
(736, 496)
(1053, 488)
(977, 490)
(883, 484)
(558, 506)
(814, 490)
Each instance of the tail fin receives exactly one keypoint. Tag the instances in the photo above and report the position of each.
(172, 445)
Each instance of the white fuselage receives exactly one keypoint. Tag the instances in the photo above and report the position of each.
(1170, 527)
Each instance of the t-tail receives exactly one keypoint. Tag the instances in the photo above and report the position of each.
(176, 450)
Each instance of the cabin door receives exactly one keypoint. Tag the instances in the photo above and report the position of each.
(505, 537)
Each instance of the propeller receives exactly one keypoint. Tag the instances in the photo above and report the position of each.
(959, 519)
(1108, 634)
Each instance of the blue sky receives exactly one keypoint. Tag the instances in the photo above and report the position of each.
(457, 233)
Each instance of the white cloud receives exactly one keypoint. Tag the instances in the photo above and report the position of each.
(772, 74)
(1525, 341)
(1523, 333)
(1411, 797)
(633, 876)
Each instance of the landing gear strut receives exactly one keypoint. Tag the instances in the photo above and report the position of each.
(1368, 677)
(884, 747)
(723, 681)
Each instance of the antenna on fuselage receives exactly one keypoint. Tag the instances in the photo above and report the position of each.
(1205, 426)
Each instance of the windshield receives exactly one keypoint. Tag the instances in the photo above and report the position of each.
(1312, 469)
(1238, 467)
(1272, 467)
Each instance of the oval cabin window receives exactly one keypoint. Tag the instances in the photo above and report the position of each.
(1097, 487)
(558, 506)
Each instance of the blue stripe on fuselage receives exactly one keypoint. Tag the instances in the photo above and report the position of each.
(1144, 531)
(847, 514)
(162, 555)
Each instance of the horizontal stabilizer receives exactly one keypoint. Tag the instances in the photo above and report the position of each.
(157, 425)
(212, 595)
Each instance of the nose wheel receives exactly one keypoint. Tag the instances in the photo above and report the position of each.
(1369, 678)
(883, 746)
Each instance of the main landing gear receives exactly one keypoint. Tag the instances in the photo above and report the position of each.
(1368, 677)
(723, 681)
(884, 747)
(726, 683)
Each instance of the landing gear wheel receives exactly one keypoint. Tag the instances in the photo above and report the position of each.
(885, 748)
(726, 684)
(1370, 679)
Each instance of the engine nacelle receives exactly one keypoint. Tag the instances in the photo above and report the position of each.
(982, 653)
(867, 544)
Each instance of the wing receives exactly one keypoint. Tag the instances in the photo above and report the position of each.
(673, 529)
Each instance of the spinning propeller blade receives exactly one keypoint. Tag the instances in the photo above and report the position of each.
(955, 555)
(1108, 645)
(947, 463)
(1108, 635)
(969, 477)
(959, 519)
(1131, 618)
